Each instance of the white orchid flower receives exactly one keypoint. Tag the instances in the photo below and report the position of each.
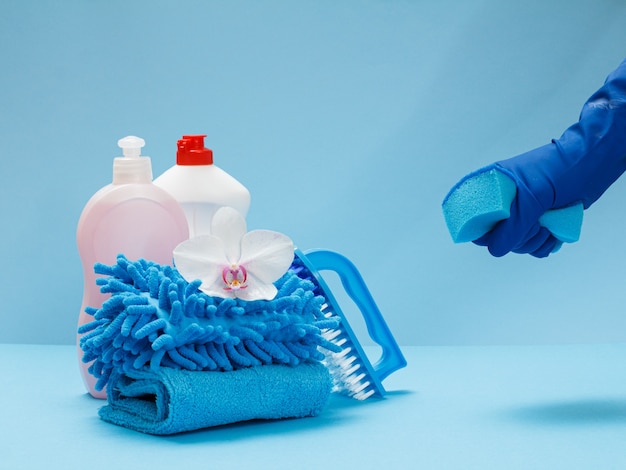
(232, 262)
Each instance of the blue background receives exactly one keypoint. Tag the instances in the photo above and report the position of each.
(348, 121)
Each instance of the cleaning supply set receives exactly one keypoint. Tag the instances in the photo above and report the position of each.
(159, 336)
(224, 326)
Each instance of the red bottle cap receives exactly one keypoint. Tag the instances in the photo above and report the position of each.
(191, 151)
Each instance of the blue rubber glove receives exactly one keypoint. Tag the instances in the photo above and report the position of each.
(577, 167)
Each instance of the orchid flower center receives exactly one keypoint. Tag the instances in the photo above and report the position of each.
(235, 277)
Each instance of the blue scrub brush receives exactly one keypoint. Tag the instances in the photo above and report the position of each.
(155, 318)
(353, 374)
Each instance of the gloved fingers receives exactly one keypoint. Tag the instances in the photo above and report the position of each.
(506, 238)
(532, 240)
(517, 230)
(538, 242)
(539, 245)
(551, 245)
(498, 240)
(484, 240)
(502, 239)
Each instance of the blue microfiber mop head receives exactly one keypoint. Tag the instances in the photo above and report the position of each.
(155, 318)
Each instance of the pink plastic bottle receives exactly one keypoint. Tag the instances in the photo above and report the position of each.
(131, 216)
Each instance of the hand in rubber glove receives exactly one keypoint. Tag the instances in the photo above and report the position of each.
(578, 167)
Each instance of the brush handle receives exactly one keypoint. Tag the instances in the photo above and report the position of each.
(392, 358)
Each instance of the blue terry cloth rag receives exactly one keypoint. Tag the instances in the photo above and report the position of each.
(170, 401)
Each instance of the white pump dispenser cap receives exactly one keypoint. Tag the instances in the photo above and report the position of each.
(132, 167)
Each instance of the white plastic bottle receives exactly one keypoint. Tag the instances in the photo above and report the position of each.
(130, 216)
(200, 187)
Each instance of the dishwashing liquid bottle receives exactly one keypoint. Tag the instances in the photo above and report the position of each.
(201, 187)
(130, 216)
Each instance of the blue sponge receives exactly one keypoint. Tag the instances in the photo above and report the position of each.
(483, 198)
(565, 224)
(477, 203)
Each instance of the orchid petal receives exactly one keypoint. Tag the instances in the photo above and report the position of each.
(233, 263)
(202, 258)
(256, 290)
(230, 226)
(266, 255)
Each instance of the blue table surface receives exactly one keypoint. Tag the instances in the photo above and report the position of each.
(496, 407)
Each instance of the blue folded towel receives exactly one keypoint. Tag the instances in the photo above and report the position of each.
(170, 401)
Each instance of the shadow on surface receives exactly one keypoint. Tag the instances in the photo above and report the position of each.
(572, 413)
